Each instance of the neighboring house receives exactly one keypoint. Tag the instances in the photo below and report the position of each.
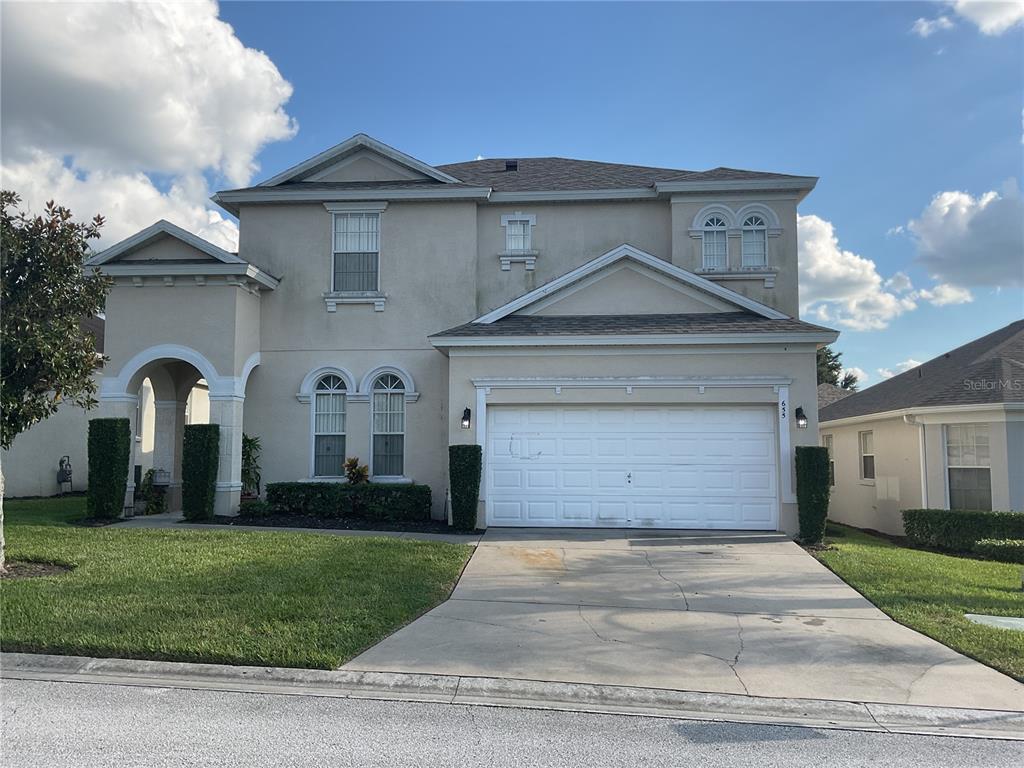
(947, 434)
(830, 393)
(623, 341)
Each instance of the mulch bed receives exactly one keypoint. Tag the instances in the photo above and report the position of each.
(93, 522)
(17, 570)
(339, 523)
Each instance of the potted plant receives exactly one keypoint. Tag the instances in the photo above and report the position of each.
(251, 477)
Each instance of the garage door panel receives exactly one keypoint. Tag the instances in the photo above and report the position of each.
(651, 466)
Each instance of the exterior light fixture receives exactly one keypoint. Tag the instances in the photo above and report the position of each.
(801, 419)
(467, 418)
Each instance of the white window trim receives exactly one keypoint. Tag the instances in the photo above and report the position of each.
(704, 241)
(763, 227)
(312, 426)
(333, 298)
(404, 477)
(527, 257)
(861, 455)
(945, 457)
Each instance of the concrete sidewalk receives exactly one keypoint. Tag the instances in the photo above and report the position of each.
(175, 520)
(719, 612)
(526, 694)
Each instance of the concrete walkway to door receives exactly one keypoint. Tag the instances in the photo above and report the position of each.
(722, 612)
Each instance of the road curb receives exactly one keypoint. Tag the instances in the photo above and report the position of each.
(533, 694)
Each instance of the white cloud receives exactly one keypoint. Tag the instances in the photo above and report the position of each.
(972, 241)
(906, 365)
(860, 373)
(928, 27)
(143, 103)
(841, 287)
(944, 293)
(990, 16)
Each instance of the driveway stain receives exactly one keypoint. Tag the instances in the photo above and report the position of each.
(542, 559)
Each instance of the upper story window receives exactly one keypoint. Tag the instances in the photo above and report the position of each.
(716, 249)
(356, 252)
(755, 241)
(517, 235)
(329, 427)
(967, 459)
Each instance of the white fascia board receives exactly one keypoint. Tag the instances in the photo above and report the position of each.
(360, 140)
(623, 252)
(172, 269)
(930, 410)
(739, 185)
(676, 339)
(640, 382)
(639, 193)
(229, 200)
(163, 227)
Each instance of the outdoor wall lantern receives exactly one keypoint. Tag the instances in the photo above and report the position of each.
(467, 418)
(801, 419)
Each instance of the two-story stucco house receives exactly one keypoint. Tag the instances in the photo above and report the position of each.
(623, 341)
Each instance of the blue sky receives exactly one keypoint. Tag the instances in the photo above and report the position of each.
(887, 117)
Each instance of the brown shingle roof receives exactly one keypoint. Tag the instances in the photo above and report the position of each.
(566, 174)
(830, 393)
(986, 371)
(587, 325)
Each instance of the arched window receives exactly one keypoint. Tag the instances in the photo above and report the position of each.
(716, 250)
(329, 427)
(755, 250)
(388, 426)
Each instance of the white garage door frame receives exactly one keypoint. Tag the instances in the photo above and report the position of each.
(485, 387)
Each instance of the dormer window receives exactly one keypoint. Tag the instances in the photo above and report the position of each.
(716, 249)
(754, 242)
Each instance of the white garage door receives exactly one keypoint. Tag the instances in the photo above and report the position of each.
(652, 467)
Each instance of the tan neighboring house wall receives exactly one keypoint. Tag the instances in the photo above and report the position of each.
(899, 459)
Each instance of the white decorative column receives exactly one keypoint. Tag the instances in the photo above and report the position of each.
(226, 411)
(169, 433)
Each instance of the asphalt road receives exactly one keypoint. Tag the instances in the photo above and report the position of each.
(82, 725)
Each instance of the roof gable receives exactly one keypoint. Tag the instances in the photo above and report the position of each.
(656, 266)
(332, 161)
(628, 288)
(164, 242)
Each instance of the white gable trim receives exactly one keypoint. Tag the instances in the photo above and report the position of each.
(163, 227)
(359, 140)
(714, 304)
(627, 251)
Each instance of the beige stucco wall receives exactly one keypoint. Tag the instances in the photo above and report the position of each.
(616, 292)
(796, 362)
(782, 250)
(877, 503)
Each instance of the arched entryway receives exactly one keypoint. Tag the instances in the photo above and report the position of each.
(176, 375)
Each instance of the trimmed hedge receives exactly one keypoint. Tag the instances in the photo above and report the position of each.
(370, 501)
(465, 463)
(812, 492)
(958, 530)
(1004, 550)
(109, 453)
(200, 455)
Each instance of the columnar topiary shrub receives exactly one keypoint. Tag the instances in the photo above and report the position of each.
(109, 452)
(464, 466)
(812, 492)
(200, 455)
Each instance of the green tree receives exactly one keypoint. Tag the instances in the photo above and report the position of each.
(830, 370)
(47, 359)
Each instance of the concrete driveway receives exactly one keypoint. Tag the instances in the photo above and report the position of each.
(717, 612)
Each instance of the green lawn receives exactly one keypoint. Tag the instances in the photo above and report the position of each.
(277, 599)
(931, 593)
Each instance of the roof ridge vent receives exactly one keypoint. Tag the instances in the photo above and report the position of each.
(511, 165)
